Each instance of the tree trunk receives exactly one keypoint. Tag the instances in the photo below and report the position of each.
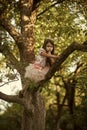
(28, 19)
(59, 109)
(34, 112)
(34, 109)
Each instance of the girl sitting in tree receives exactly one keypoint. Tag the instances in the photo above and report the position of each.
(37, 71)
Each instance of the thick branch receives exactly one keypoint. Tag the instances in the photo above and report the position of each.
(11, 30)
(10, 98)
(10, 57)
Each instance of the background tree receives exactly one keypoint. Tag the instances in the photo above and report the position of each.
(18, 19)
(11, 118)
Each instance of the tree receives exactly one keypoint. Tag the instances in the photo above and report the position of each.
(33, 103)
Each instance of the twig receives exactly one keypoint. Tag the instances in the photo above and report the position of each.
(8, 82)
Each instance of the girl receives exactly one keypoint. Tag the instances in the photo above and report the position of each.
(37, 71)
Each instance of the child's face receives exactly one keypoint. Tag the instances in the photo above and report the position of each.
(49, 47)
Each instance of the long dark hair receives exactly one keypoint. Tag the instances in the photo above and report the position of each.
(46, 41)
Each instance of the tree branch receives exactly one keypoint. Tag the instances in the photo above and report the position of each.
(62, 57)
(8, 82)
(10, 57)
(10, 98)
(11, 30)
(58, 2)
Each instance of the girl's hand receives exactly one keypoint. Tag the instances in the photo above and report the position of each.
(57, 56)
(49, 55)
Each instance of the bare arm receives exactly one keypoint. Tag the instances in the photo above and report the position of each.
(49, 55)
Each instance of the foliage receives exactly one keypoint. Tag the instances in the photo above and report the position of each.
(11, 118)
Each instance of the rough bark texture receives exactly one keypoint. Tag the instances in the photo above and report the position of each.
(34, 113)
(28, 19)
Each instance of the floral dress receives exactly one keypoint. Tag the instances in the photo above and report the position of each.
(37, 71)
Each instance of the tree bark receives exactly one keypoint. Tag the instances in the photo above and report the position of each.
(34, 109)
(60, 106)
(34, 114)
(28, 19)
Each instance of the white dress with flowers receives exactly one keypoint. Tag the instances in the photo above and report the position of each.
(37, 71)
